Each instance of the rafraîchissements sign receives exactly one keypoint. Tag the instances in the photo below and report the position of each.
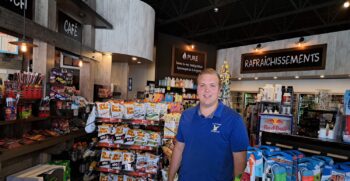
(187, 63)
(292, 59)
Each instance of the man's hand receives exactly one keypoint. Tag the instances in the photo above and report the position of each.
(239, 162)
(175, 160)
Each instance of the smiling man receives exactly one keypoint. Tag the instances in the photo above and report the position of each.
(211, 140)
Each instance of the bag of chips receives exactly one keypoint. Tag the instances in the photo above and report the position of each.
(117, 110)
(103, 177)
(154, 139)
(153, 111)
(105, 159)
(128, 111)
(103, 110)
(139, 111)
(141, 162)
(104, 133)
(140, 137)
(119, 135)
(128, 161)
(116, 159)
(152, 163)
(129, 137)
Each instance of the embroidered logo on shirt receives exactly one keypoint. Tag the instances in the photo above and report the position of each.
(216, 126)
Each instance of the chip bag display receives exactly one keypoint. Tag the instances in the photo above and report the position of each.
(103, 110)
(129, 111)
(105, 159)
(117, 110)
(139, 111)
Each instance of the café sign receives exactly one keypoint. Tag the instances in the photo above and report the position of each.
(18, 6)
(69, 27)
(187, 63)
(291, 59)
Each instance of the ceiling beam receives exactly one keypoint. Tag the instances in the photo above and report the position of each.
(198, 11)
(301, 10)
(284, 33)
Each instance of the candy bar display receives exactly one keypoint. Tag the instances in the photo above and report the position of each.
(28, 84)
(61, 76)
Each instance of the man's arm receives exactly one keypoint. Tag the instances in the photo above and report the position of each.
(175, 160)
(239, 162)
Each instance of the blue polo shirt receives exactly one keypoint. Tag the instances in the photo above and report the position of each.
(209, 143)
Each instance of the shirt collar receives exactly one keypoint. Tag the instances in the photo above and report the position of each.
(216, 113)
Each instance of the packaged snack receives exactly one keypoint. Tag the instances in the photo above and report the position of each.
(105, 158)
(154, 139)
(129, 137)
(118, 177)
(120, 132)
(141, 179)
(140, 137)
(128, 161)
(104, 132)
(117, 110)
(129, 178)
(152, 163)
(128, 110)
(139, 111)
(141, 162)
(116, 159)
(103, 177)
(152, 111)
(103, 110)
(171, 122)
(163, 109)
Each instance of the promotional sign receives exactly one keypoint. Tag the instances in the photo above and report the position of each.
(187, 63)
(276, 123)
(69, 27)
(292, 59)
(18, 6)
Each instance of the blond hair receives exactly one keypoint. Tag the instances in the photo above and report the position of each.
(209, 71)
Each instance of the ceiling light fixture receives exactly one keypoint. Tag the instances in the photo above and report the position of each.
(301, 41)
(216, 9)
(256, 78)
(192, 46)
(239, 78)
(80, 63)
(346, 4)
(139, 62)
(23, 43)
(275, 77)
(297, 77)
(258, 47)
(321, 76)
(134, 58)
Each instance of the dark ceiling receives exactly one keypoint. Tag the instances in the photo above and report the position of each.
(242, 22)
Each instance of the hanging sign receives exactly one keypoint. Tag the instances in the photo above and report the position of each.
(291, 59)
(69, 27)
(276, 123)
(18, 6)
(187, 63)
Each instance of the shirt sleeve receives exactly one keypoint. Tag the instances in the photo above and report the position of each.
(239, 137)
(179, 135)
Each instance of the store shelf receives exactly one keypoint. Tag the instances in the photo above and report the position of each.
(130, 173)
(336, 149)
(176, 89)
(128, 121)
(190, 99)
(127, 147)
(6, 154)
(32, 119)
(320, 111)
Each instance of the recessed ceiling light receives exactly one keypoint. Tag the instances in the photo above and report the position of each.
(139, 62)
(256, 78)
(216, 10)
(239, 78)
(321, 76)
(297, 77)
(275, 77)
(346, 4)
(133, 58)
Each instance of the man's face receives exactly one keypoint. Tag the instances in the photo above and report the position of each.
(208, 89)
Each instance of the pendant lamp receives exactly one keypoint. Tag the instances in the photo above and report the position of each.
(23, 43)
